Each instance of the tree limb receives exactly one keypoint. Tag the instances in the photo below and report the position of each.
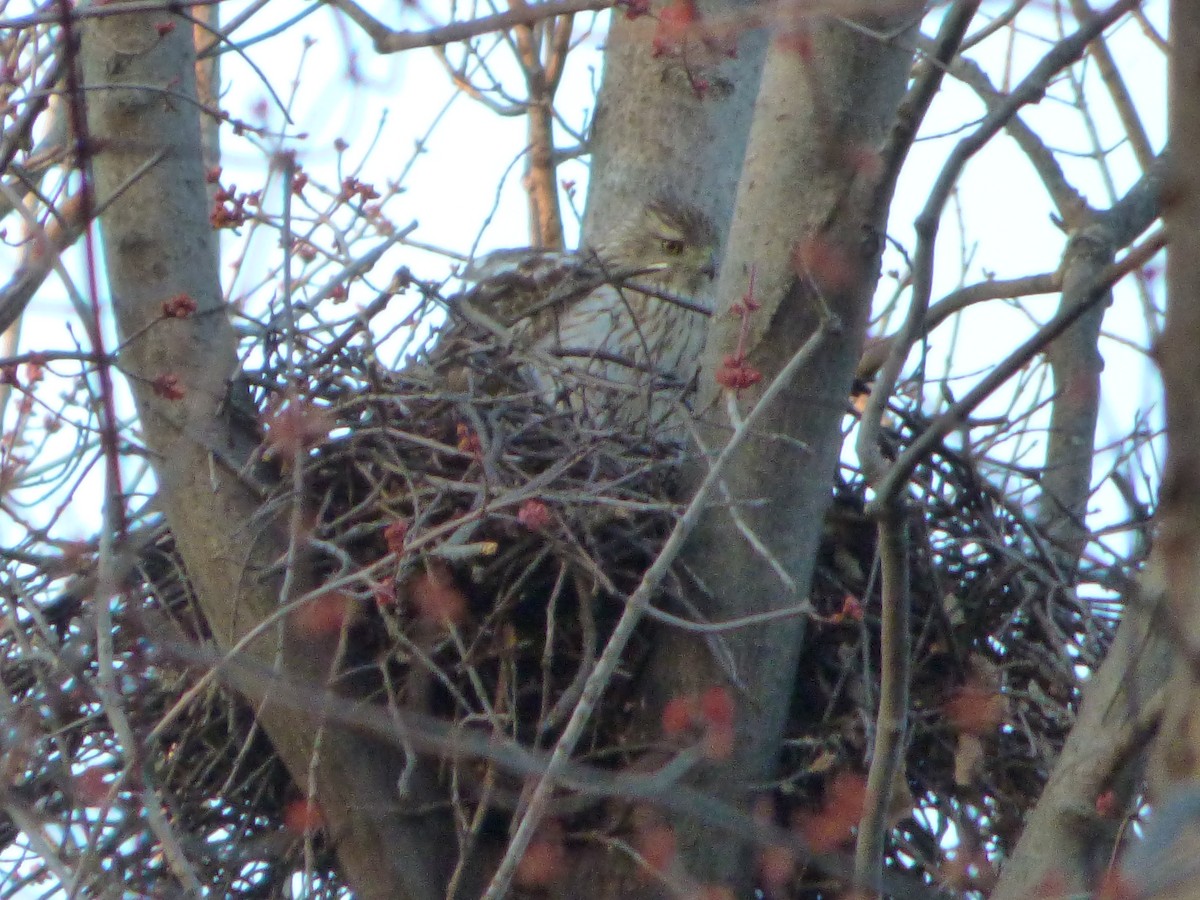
(159, 245)
(388, 40)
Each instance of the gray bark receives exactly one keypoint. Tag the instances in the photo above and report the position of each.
(158, 244)
(819, 113)
(651, 133)
(1175, 761)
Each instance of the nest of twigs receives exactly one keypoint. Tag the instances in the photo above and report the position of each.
(485, 543)
(509, 534)
(998, 638)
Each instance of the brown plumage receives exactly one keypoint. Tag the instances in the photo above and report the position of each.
(613, 331)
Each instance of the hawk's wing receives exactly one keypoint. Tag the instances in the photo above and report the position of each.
(596, 340)
(509, 285)
(507, 290)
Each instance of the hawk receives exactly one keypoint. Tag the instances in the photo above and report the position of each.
(612, 331)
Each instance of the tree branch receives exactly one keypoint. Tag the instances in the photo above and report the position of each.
(159, 244)
(903, 467)
(1121, 707)
(925, 87)
(1031, 89)
(891, 722)
(388, 40)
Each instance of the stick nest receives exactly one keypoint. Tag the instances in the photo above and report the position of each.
(478, 547)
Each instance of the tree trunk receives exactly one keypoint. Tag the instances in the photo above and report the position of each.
(654, 133)
(158, 245)
(1067, 842)
(1175, 762)
(809, 225)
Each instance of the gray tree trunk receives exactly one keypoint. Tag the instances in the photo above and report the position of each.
(808, 226)
(651, 132)
(1175, 761)
(818, 115)
(158, 244)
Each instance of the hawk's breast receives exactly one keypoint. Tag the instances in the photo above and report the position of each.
(624, 354)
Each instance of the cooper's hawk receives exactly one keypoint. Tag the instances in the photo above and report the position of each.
(612, 331)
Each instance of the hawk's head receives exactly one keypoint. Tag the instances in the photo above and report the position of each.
(670, 244)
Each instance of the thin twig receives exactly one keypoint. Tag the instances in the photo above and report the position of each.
(892, 483)
(1031, 89)
(388, 40)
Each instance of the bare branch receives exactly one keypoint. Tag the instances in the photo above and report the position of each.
(876, 353)
(926, 85)
(1122, 101)
(1070, 204)
(1031, 89)
(541, 170)
(891, 723)
(1122, 706)
(901, 469)
(122, 7)
(387, 40)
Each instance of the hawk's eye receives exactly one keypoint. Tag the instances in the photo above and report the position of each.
(672, 247)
